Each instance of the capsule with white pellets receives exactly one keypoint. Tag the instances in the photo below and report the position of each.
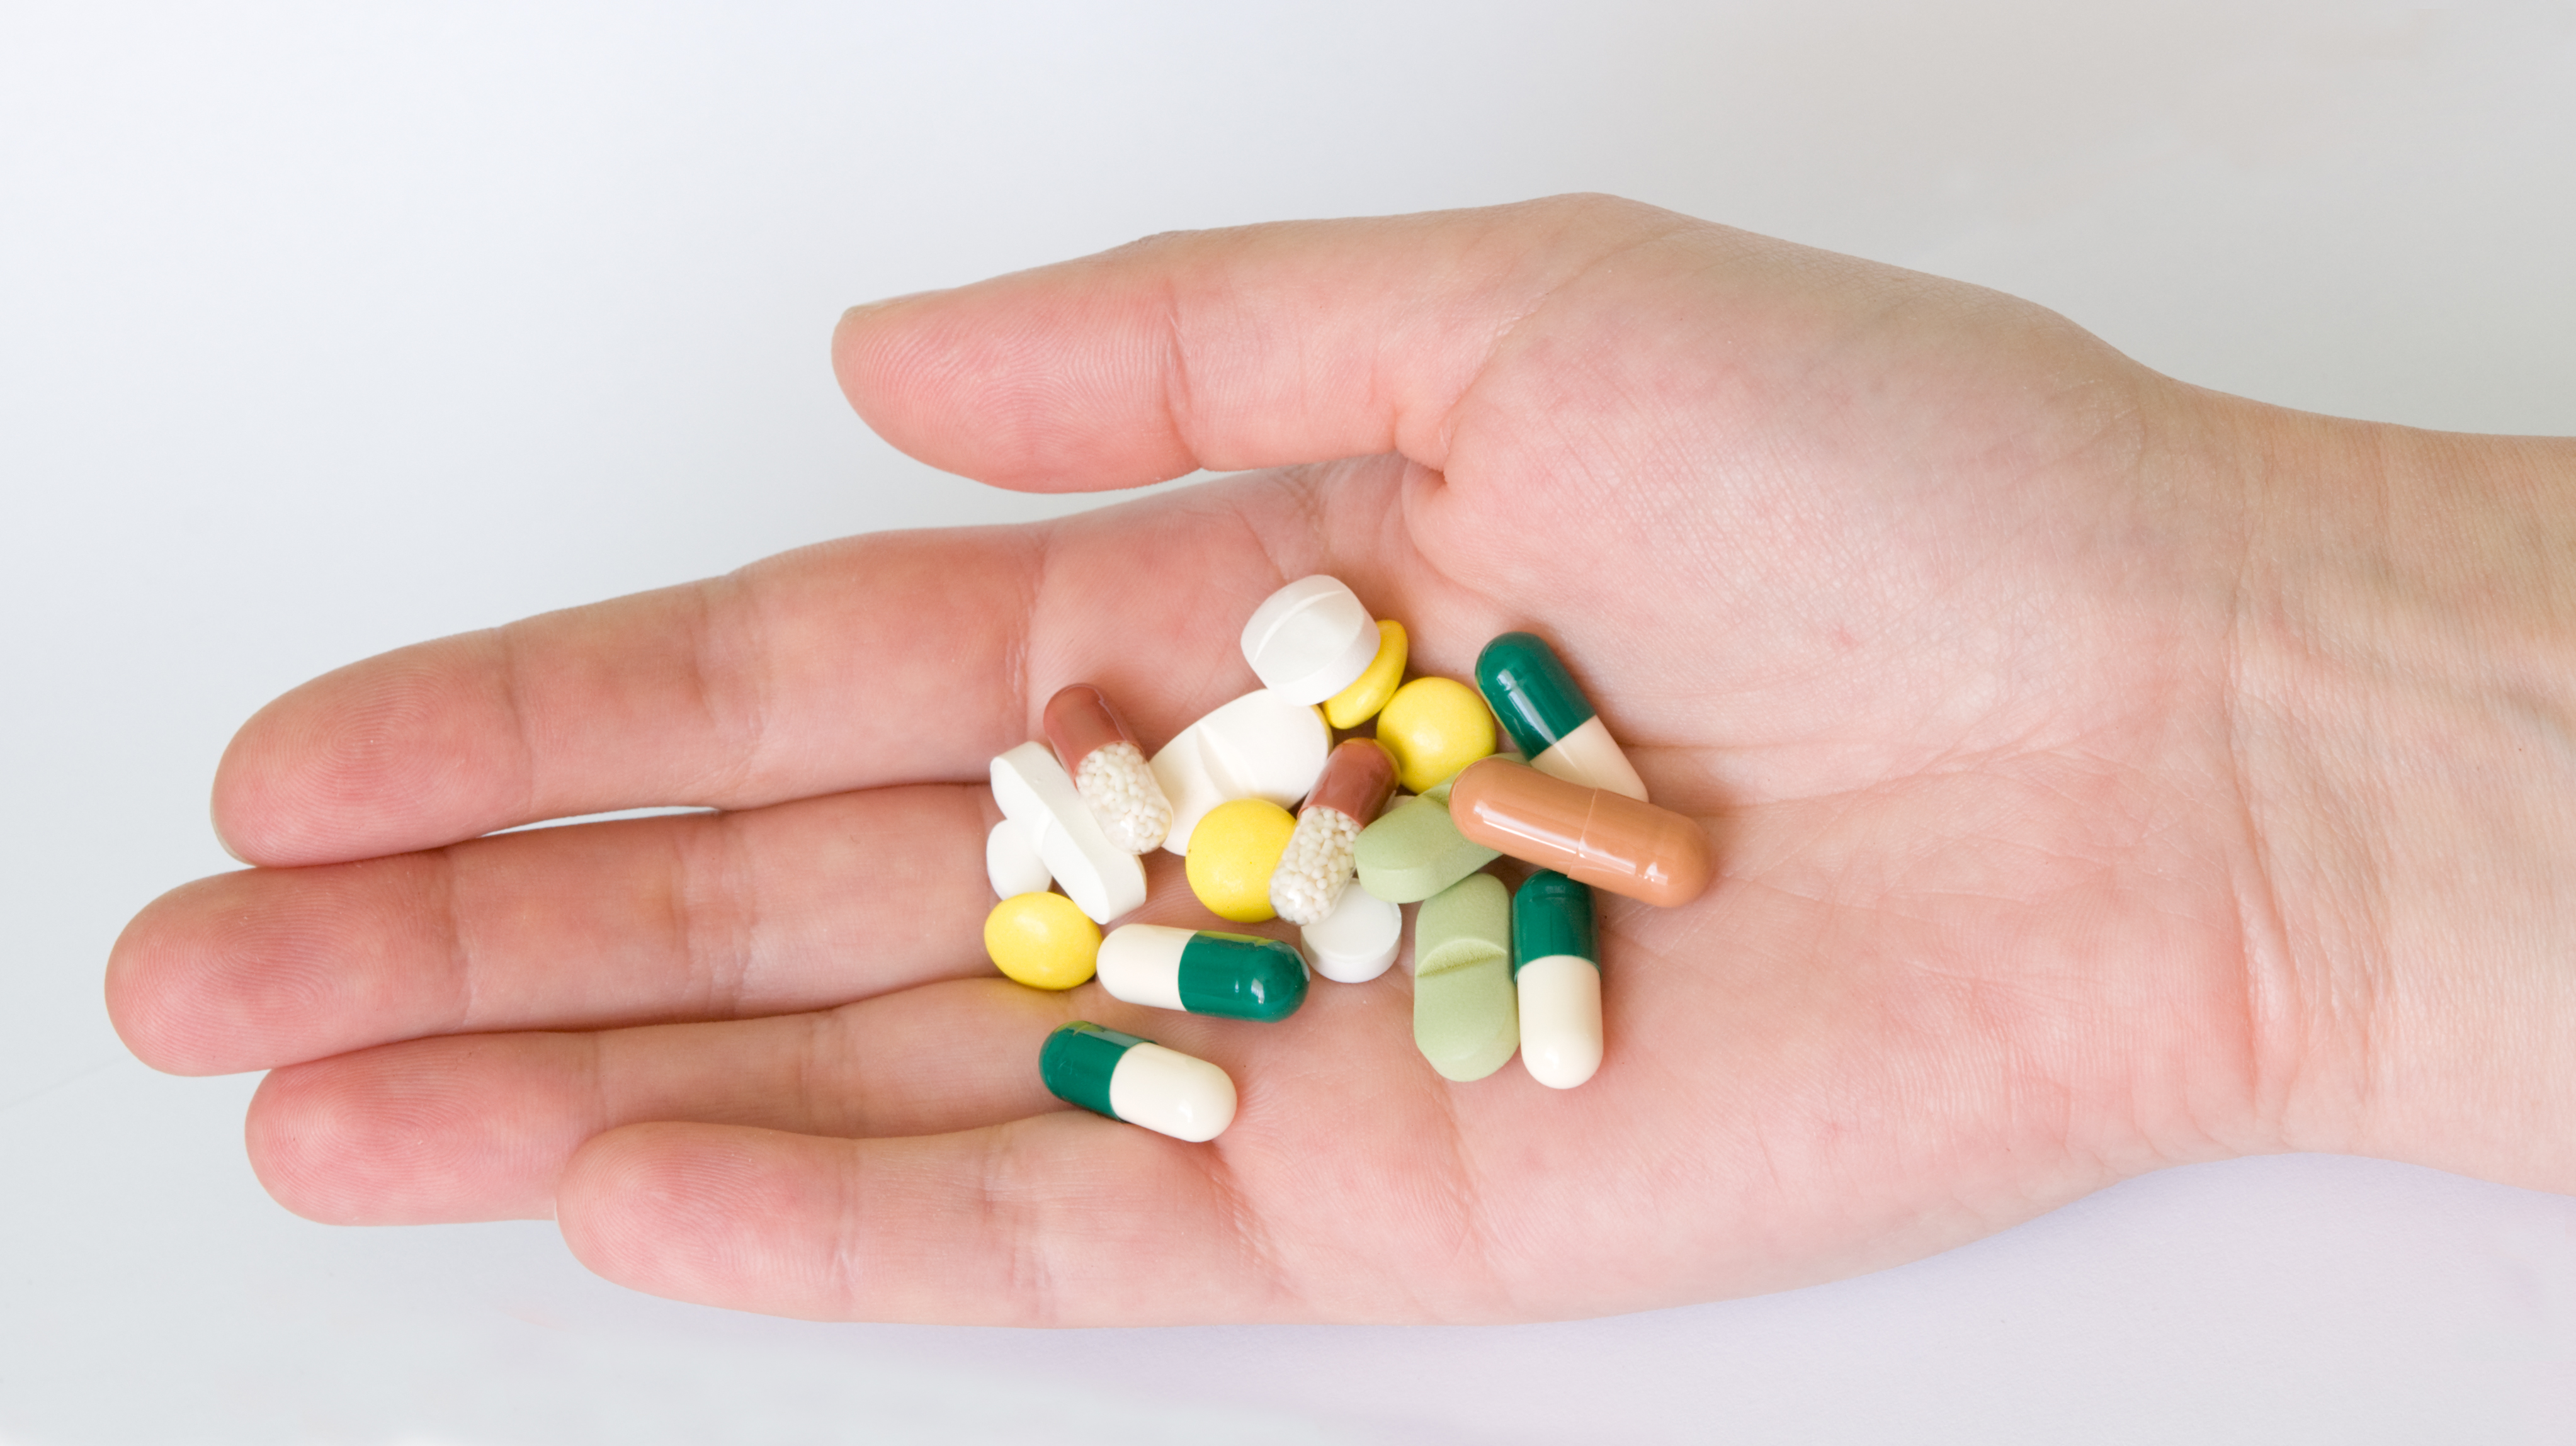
(1138, 1081)
(1108, 768)
(1315, 868)
(1547, 716)
(1201, 971)
(1556, 971)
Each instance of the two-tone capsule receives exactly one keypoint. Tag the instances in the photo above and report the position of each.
(1595, 836)
(1202, 971)
(1544, 710)
(1138, 1081)
(1108, 767)
(1556, 969)
(1359, 777)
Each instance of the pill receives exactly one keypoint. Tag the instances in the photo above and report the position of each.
(1359, 702)
(1357, 941)
(1556, 969)
(1260, 745)
(1041, 940)
(1034, 793)
(1202, 971)
(1233, 853)
(1315, 869)
(1434, 727)
(1136, 1080)
(1108, 769)
(1466, 1018)
(1414, 851)
(1011, 861)
(1546, 714)
(1310, 639)
(1594, 836)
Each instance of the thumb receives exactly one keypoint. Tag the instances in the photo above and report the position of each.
(1258, 346)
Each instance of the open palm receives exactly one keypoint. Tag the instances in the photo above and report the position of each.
(1917, 597)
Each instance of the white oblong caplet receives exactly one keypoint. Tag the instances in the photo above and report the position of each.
(1011, 862)
(1141, 964)
(1034, 792)
(1260, 745)
(1171, 1093)
(1358, 940)
(1560, 999)
(1310, 639)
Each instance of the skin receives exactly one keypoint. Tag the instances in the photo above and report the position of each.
(2104, 774)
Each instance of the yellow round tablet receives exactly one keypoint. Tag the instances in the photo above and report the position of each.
(1434, 727)
(1359, 702)
(1233, 852)
(1042, 941)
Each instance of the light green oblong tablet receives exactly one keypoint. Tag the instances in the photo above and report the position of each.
(1466, 1014)
(1413, 851)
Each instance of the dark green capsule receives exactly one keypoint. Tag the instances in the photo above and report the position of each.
(1078, 1060)
(1241, 976)
(1528, 688)
(1552, 915)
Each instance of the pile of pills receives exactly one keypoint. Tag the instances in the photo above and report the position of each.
(1495, 972)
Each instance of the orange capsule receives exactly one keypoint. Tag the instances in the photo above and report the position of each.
(1591, 835)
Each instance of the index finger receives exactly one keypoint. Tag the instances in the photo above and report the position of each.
(894, 658)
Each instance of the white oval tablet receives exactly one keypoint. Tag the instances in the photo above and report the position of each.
(1034, 793)
(1011, 862)
(1357, 941)
(1310, 639)
(1261, 745)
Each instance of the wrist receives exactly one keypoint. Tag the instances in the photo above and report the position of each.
(2402, 710)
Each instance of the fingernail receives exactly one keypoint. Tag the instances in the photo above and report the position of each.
(866, 308)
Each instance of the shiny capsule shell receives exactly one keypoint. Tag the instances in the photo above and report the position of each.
(1108, 767)
(1315, 867)
(1591, 835)
(1544, 710)
(1556, 971)
(1136, 1080)
(1237, 976)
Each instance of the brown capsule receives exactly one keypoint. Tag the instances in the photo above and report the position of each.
(1358, 779)
(1591, 835)
(1079, 719)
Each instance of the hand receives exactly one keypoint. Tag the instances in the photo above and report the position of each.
(2046, 753)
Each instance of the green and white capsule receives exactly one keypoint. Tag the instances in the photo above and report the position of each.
(1203, 972)
(1553, 724)
(1557, 972)
(1137, 1080)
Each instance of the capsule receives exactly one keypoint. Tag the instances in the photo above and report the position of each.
(1201, 971)
(1137, 1080)
(1592, 835)
(1108, 768)
(1311, 639)
(1359, 777)
(1544, 710)
(1556, 969)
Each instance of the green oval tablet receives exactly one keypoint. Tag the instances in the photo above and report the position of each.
(1413, 851)
(1466, 1014)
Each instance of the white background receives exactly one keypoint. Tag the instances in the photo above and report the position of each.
(326, 328)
